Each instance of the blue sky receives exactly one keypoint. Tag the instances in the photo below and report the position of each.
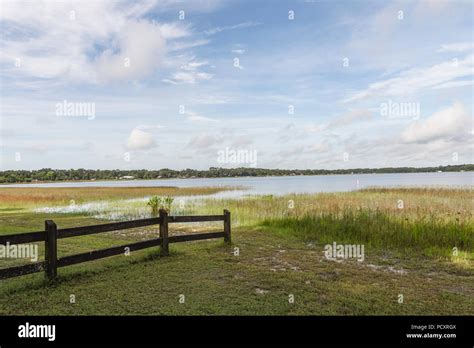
(165, 91)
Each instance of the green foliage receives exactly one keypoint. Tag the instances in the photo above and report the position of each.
(167, 202)
(156, 203)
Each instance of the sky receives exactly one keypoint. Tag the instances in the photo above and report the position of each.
(279, 84)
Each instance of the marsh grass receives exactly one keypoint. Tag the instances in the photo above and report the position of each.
(27, 196)
(377, 229)
(432, 220)
(418, 204)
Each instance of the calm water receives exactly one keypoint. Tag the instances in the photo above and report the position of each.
(290, 184)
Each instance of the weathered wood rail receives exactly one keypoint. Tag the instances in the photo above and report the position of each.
(51, 234)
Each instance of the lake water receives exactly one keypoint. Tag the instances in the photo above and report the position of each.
(289, 184)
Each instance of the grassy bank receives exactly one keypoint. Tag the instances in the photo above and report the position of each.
(408, 251)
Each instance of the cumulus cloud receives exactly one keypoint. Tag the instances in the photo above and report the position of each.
(69, 41)
(140, 140)
(140, 46)
(452, 123)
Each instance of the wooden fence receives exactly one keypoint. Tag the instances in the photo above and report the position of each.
(51, 234)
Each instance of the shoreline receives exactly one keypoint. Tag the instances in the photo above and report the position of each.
(27, 183)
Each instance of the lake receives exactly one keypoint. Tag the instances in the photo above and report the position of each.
(289, 184)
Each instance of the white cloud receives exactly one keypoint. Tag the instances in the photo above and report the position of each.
(242, 140)
(188, 77)
(140, 48)
(148, 126)
(383, 42)
(194, 117)
(321, 147)
(189, 72)
(204, 141)
(174, 30)
(451, 123)
(413, 80)
(193, 65)
(140, 140)
(351, 117)
(83, 42)
(242, 25)
(181, 45)
(457, 47)
(453, 84)
(211, 99)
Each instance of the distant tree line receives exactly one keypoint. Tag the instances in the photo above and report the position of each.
(47, 174)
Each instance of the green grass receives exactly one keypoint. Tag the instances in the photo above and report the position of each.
(377, 229)
(258, 281)
(407, 251)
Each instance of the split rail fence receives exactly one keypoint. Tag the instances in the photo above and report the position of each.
(51, 234)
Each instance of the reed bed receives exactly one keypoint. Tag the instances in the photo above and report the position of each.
(414, 204)
(430, 220)
(64, 195)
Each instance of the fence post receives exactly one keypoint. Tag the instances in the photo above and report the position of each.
(227, 238)
(51, 249)
(164, 232)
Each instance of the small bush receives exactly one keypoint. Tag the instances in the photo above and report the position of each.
(156, 203)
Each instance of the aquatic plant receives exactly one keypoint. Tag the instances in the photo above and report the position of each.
(156, 203)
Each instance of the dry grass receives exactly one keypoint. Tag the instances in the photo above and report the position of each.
(418, 204)
(63, 195)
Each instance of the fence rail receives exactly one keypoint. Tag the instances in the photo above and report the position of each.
(51, 234)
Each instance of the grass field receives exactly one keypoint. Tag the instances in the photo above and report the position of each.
(419, 243)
